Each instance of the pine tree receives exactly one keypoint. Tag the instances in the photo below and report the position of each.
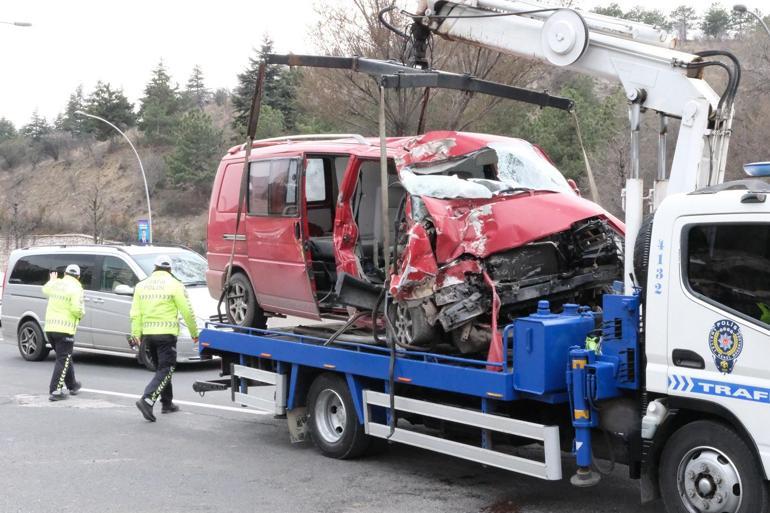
(613, 10)
(7, 130)
(716, 21)
(683, 18)
(197, 148)
(196, 91)
(555, 131)
(280, 90)
(160, 107)
(37, 127)
(71, 122)
(112, 105)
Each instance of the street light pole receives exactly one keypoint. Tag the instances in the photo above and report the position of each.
(741, 9)
(141, 167)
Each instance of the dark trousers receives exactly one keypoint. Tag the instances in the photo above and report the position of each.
(163, 353)
(63, 370)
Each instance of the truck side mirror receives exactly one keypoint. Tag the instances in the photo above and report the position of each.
(574, 186)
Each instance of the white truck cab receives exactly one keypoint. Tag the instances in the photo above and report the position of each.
(707, 320)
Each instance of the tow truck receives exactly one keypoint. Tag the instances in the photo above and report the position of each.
(671, 376)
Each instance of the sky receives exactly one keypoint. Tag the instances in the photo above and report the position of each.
(73, 42)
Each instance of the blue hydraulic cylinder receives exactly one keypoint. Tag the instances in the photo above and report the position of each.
(583, 416)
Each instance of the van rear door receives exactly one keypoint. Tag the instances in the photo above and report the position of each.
(278, 265)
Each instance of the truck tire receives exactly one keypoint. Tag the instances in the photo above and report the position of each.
(31, 342)
(242, 307)
(334, 425)
(707, 467)
(642, 251)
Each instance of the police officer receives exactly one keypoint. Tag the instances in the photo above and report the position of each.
(158, 302)
(62, 315)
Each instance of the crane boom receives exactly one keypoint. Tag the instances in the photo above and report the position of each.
(653, 75)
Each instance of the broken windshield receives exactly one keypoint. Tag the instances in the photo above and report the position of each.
(501, 167)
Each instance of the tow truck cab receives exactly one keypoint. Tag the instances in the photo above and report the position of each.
(707, 316)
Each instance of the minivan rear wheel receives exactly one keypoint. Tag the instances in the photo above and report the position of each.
(242, 307)
(31, 342)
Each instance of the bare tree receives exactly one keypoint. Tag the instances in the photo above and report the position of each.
(95, 206)
(351, 100)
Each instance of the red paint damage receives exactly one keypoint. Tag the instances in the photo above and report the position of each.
(481, 227)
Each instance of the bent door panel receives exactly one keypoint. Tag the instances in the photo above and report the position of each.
(277, 262)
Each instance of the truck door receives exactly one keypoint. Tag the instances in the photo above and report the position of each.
(719, 314)
(278, 267)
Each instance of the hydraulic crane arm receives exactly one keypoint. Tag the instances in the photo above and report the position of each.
(654, 76)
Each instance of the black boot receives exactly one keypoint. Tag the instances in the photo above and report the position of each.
(75, 390)
(146, 409)
(169, 408)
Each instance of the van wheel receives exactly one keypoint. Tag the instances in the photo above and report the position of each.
(707, 467)
(412, 327)
(242, 307)
(334, 426)
(144, 357)
(32, 342)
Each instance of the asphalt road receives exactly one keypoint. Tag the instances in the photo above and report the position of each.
(95, 454)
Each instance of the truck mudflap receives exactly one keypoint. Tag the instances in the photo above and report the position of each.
(550, 469)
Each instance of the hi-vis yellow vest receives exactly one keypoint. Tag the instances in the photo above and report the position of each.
(158, 302)
(65, 305)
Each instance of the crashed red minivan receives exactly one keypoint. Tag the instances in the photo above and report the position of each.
(480, 226)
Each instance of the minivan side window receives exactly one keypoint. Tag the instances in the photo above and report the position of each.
(729, 265)
(34, 269)
(116, 272)
(230, 189)
(273, 187)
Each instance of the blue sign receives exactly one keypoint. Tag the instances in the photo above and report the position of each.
(718, 388)
(143, 231)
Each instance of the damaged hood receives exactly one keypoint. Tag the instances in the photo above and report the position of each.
(481, 227)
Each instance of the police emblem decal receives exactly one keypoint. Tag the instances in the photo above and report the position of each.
(726, 344)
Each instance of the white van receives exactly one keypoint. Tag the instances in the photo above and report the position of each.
(108, 274)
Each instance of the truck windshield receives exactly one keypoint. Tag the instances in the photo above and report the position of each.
(188, 266)
(515, 165)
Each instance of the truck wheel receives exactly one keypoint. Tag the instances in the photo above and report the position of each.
(31, 342)
(334, 426)
(707, 467)
(242, 307)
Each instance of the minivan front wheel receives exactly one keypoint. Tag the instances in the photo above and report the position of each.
(32, 342)
(242, 307)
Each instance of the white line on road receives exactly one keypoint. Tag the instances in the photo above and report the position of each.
(186, 403)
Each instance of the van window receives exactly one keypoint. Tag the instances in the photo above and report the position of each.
(315, 182)
(273, 187)
(116, 272)
(729, 264)
(34, 269)
(230, 188)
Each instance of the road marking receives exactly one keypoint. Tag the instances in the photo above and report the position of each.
(185, 403)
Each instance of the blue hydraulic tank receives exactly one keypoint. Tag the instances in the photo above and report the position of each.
(541, 346)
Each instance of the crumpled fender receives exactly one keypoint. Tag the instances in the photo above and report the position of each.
(418, 267)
